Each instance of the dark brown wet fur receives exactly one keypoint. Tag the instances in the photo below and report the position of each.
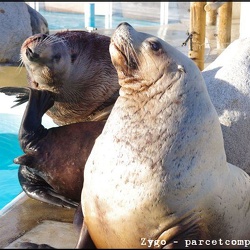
(51, 169)
(76, 67)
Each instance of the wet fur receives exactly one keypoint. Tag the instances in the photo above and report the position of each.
(76, 67)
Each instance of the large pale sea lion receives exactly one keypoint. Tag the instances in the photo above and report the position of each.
(161, 154)
(51, 170)
(228, 83)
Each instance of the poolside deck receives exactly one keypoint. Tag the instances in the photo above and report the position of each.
(29, 220)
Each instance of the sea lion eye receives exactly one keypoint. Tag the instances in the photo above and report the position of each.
(73, 57)
(57, 57)
(155, 46)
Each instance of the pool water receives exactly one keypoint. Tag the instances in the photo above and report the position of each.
(62, 21)
(9, 149)
(10, 120)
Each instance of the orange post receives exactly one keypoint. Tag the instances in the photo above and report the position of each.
(224, 25)
(211, 16)
(197, 29)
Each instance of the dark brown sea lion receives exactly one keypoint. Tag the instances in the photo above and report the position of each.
(76, 67)
(161, 154)
(51, 170)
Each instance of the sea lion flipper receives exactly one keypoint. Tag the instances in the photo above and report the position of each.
(84, 240)
(20, 99)
(188, 228)
(39, 102)
(24, 160)
(31, 128)
(21, 93)
(37, 188)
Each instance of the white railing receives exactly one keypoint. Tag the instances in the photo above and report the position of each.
(89, 11)
(34, 5)
(164, 13)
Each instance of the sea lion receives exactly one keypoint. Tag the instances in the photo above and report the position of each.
(76, 67)
(228, 83)
(51, 170)
(162, 157)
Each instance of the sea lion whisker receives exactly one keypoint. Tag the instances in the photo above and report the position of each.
(21, 60)
(60, 40)
(131, 56)
(37, 44)
(47, 41)
(50, 40)
(134, 54)
(20, 65)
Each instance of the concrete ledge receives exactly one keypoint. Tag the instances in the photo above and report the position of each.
(23, 214)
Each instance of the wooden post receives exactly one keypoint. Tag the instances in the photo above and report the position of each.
(197, 29)
(211, 16)
(224, 25)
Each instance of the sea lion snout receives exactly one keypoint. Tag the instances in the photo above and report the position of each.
(122, 24)
(123, 50)
(39, 37)
(31, 55)
(30, 52)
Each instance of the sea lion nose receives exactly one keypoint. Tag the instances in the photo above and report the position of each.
(31, 55)
(40, 37)
(123, 23)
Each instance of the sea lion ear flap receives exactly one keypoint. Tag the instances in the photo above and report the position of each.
(73, 57)
(26, 160)
(181, 68)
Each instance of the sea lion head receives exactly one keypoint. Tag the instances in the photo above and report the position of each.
(76, 67)
(142, 59)
(46, 58)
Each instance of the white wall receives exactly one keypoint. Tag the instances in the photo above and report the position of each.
(245, 19)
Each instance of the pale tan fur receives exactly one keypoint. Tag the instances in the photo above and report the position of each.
(159, 170)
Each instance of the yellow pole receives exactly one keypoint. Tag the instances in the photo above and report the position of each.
(224, 25)
(197, 29)
(211, 15)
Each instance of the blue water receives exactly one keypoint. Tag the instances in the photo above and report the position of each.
(10, 120)
(61, 21)
(9, 149)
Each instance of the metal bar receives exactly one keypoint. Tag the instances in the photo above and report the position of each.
(89, 11)
(164, 13)
(108, 15)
